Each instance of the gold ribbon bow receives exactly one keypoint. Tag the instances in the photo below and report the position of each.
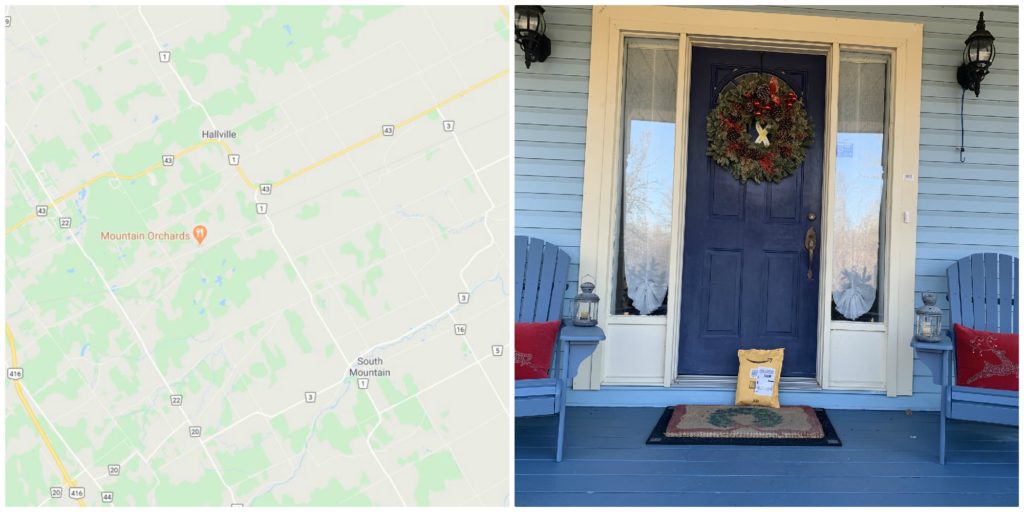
(762, 135)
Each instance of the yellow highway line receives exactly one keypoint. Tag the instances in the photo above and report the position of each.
(109, 174)
(241, 172)
(420, 115)
(504, 11)
(39, 428)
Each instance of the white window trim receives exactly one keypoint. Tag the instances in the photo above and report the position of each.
(746, 29)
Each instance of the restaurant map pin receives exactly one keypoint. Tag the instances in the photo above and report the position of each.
(200, 233)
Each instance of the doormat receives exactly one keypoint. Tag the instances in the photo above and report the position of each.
(728, 424)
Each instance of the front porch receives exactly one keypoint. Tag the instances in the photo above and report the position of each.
(887, 458)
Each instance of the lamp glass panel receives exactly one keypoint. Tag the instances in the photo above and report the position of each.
(979, 51)
(522, 21)
(985, 52)
(586, 311)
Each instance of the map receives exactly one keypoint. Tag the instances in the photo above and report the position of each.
(257, 256)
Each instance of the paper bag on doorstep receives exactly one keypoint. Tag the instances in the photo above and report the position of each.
(758, 381)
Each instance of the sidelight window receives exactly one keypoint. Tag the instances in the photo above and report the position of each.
(861, 169)
(648, 166)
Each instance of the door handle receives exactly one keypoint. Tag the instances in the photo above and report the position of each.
(810, 243)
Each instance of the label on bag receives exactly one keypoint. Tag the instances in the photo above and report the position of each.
(765, 380)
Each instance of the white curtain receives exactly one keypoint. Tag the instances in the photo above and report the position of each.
(648, 171)
(860, 179)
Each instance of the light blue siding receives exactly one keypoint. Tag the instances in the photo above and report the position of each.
(551, 120)
(962, 208)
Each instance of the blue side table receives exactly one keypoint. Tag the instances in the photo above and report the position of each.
(936, 356)
(578, 343)
(582, 342)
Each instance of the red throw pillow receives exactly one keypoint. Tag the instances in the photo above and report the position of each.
(534, 343)
(986, 359)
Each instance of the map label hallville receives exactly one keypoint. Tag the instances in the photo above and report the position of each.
(220, 134)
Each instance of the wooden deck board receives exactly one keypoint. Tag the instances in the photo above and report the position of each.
(887, 458)
(526, 499)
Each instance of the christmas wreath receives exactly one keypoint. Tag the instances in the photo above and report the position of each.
(783, 130)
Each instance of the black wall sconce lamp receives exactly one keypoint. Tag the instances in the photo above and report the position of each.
(979, 53)
(530, 29)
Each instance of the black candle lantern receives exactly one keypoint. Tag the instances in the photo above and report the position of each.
(530, 36)
(928, 320)
(585, 305)
(979, 52)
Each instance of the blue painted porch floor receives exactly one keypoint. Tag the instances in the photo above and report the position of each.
(887, 458)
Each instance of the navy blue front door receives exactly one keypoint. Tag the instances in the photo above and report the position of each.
(745, 282)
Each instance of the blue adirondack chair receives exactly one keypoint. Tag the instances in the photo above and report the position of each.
(541, 276)
(982, 295)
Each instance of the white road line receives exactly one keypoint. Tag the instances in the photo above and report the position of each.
(348, 362)
(175, 71)
(441, 38)
(476, 174)
(447, 312)
(327, 327)
(65, 357)
(107, 287)
(161, 443)
(342, 381)
(454, 374)
(56, 432)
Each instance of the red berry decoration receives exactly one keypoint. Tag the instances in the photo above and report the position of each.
(749, 99)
